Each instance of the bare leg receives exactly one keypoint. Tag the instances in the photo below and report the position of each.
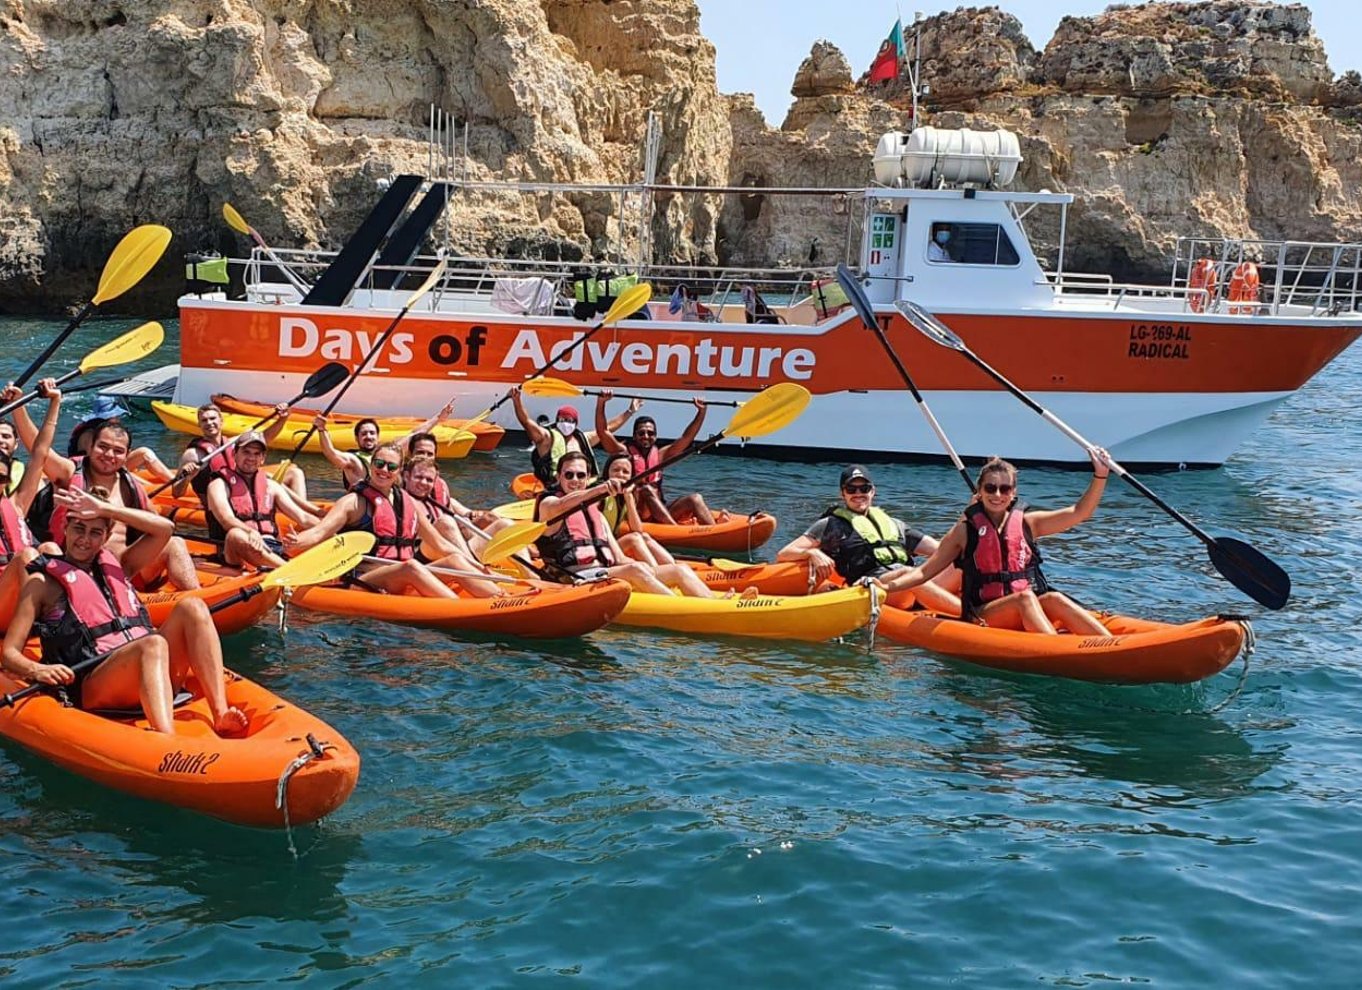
(1020, 610)
(194, 646)
(681, 576)
(650, 506)
(139, 671)
(237, 550)
(177, 564)
(1062, 609)
(938, 599)
(639, 578)
(296, 482)
(659, 553)
(692, 506)
(636, 546)
(475, 586)
(409, 574)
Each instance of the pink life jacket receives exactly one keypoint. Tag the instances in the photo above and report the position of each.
(102, 610)
(582, 541)
(392, 522)
(57, 525)
(440, 493)
(996, 564)
(643, 462)
(14, 532)
(222, 461)
(253, 504)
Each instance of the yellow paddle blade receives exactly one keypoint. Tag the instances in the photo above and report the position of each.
(511, 540)
(132, 345)
(524, 509)
(547, 387)
(281, 470)
(134, 256)
(235, 220)
(628, 302)
(436, 273)
(768, 411)
(724, 564)
(324, 562)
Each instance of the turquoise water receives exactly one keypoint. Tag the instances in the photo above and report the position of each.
(639, 808)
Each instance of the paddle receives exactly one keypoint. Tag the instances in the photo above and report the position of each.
(324, 562)
(1242, 564)
(544, 387)
(861, 304)
(631, 300)
(131, 346)
(468, 524)
(238, 223)
(134, 256)
(766, 412)
(435, 275)
(321, 381)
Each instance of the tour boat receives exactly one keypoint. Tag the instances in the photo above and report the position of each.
(1171, 374)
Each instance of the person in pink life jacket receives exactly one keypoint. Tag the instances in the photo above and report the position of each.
(378, 505)
(578, 538)
(994, 546)
(243, 507)
(197, 475)
(645, 452)
(421, 480)
(17, 547)
(83, 605)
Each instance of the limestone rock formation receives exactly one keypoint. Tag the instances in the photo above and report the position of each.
(1210, 118)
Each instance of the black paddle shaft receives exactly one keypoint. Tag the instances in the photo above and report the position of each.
(51, 348)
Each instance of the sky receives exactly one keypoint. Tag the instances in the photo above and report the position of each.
(761, 42)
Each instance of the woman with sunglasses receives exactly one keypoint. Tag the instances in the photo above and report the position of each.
(995, 548)
(858, 539)
(378, 505)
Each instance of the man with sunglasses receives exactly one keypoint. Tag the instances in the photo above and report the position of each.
(858, 539)
(645, 453)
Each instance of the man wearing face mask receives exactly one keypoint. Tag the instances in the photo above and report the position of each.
(551, 443)
(936, 250)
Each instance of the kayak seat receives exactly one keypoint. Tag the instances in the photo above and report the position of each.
(181, 698)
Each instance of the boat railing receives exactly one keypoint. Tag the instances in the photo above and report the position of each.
(1260, 277)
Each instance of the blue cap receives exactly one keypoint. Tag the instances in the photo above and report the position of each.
(106, 407)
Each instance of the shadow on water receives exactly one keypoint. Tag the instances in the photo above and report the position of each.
(1159, 735)
(227, 871)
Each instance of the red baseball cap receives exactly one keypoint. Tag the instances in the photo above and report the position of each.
(567, 412)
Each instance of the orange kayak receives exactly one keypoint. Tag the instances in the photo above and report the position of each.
(1137, 651)
(216, 587)
(234, 779)
(488, 434)
(536, 610)
(737, 534)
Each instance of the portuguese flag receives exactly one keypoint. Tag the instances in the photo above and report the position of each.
(886, 65)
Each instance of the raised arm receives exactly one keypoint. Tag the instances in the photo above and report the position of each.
(446, 411)
(32, 480)
(605, 437)
(1048, 523)
(80, 504)
(539, 436)
(54, 465)
(616, 424)
(340, 460)
(691, 432)
(277, 425)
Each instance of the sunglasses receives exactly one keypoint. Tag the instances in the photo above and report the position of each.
(859, 489)
(992, 489)
(575, 476)
(383, 465)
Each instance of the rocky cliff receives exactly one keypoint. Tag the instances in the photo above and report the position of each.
(1219, 117)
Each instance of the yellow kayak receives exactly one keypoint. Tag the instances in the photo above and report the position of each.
(452, 443)
(807, 617)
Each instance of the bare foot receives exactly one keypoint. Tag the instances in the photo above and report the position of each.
(750, 592)
(232, 722)
(722, 516)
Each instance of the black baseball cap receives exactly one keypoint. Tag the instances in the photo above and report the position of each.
(853, 471)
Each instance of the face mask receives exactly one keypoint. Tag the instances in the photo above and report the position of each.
(942, 236)
(566, 427)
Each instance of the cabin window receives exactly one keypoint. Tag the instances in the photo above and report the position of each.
(970, 244)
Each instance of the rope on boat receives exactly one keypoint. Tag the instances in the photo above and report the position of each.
(870, 626)
(315, 751)
(1246, 651)
(282, 606)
